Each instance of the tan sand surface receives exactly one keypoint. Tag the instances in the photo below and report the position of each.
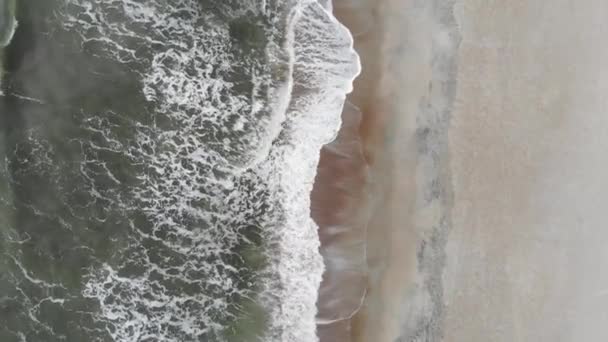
(485, 127)
(527, 257)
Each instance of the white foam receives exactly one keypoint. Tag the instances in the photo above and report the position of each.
(324, 66)
(10, 26)
(203, 184)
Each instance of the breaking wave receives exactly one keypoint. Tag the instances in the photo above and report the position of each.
(206, 176)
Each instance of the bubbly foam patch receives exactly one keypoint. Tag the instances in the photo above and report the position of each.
(324, 65)
(241, 95)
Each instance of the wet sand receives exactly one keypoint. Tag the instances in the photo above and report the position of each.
(341, 199)
(403, 94)
(480, 195)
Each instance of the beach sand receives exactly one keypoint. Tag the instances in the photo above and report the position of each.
(403, 93)
(527, 257)
(477, 203)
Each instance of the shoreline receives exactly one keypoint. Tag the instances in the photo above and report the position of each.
(396, 216)
(341, 203)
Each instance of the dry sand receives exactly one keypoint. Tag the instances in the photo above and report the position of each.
(485, 132)
(527, 257)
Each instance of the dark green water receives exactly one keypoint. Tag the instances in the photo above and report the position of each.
(89, 192)
(150, 170)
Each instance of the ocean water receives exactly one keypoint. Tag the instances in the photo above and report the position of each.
(156, 163)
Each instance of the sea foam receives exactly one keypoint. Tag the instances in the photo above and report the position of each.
(324, 66)
(226, 158)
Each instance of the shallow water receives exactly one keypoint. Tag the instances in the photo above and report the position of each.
(156, 165)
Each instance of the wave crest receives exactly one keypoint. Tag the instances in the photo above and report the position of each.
(241, 96)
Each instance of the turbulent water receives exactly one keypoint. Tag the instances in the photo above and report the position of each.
(156, 160)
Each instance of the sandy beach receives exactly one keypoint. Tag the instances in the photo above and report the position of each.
(528, 137)
(403, 93)
(477, 202)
